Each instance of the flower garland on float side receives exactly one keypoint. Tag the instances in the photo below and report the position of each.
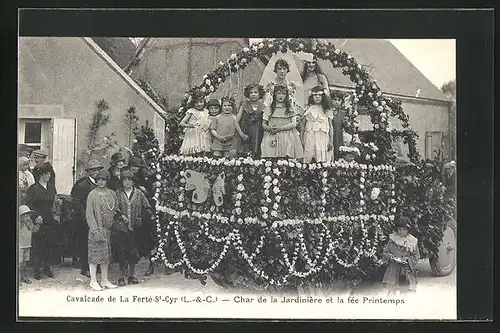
(367, 92)
(173, 215)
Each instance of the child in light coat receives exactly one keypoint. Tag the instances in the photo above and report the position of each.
(26, 229)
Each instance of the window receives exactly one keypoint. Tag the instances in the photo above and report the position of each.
(402, 149)
(33, 134)
(434, 145)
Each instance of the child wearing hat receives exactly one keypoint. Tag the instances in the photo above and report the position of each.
(401, 255)
(26, 228)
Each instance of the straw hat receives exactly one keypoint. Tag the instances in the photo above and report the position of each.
(25, 210)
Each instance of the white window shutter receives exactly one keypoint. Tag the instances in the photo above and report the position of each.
(159, 129)
(63, 152)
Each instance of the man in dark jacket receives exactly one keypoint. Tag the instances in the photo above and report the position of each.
(79, 194)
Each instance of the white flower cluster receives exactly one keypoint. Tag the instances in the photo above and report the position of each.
(347, 149)
(188, 263)
(268, 164)
(249, 259)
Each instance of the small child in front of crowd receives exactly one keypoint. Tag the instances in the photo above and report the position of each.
(223, 129)
(401, 255)
(197, 139)
(26, 229)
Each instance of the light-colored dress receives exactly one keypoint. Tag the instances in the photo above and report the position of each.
(225, 126)
(285, 143)
(101, 208)
(25, 232)
(316, 134)
(26, 179)
(198, 138)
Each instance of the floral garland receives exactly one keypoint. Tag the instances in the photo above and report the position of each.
(367, 92)
(334, 226)
(176, 214)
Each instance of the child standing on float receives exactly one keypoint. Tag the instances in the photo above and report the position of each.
(213, 107)
(249, 122)
(223, 129)
(281, 138)
(196, 122)
(317, 133)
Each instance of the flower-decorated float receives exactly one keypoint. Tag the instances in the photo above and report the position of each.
(265, 224)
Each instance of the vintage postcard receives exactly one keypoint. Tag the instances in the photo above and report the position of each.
(243, 178)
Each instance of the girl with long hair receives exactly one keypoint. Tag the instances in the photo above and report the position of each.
(281, 138)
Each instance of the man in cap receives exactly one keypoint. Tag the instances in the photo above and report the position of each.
(39, 157)
(26, 179)
(79, 194)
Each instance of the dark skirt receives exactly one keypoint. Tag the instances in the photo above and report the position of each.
(145, 236)
(123, 247)
(45, 245)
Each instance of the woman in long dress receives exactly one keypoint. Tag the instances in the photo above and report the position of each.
(102, 206)
(40, 198)
(313, 76)
(282, 70)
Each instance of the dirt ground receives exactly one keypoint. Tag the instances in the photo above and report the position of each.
(68, 278)
(435, 299)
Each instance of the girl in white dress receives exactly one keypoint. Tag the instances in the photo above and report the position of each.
(317, 133)
(196, 123)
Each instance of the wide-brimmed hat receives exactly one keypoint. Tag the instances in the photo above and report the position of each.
(23, 160)
(135, 161)
(403, 222)
(117, 157)
(103, 173)
(45, 167)
(94, 164)
(25, 210)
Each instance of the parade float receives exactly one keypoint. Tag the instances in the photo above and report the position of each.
(268, 224)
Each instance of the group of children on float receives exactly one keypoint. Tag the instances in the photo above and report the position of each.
(279, 131)
(260, 131)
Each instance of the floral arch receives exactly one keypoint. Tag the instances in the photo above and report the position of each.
(285, 223)
(367, 92)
